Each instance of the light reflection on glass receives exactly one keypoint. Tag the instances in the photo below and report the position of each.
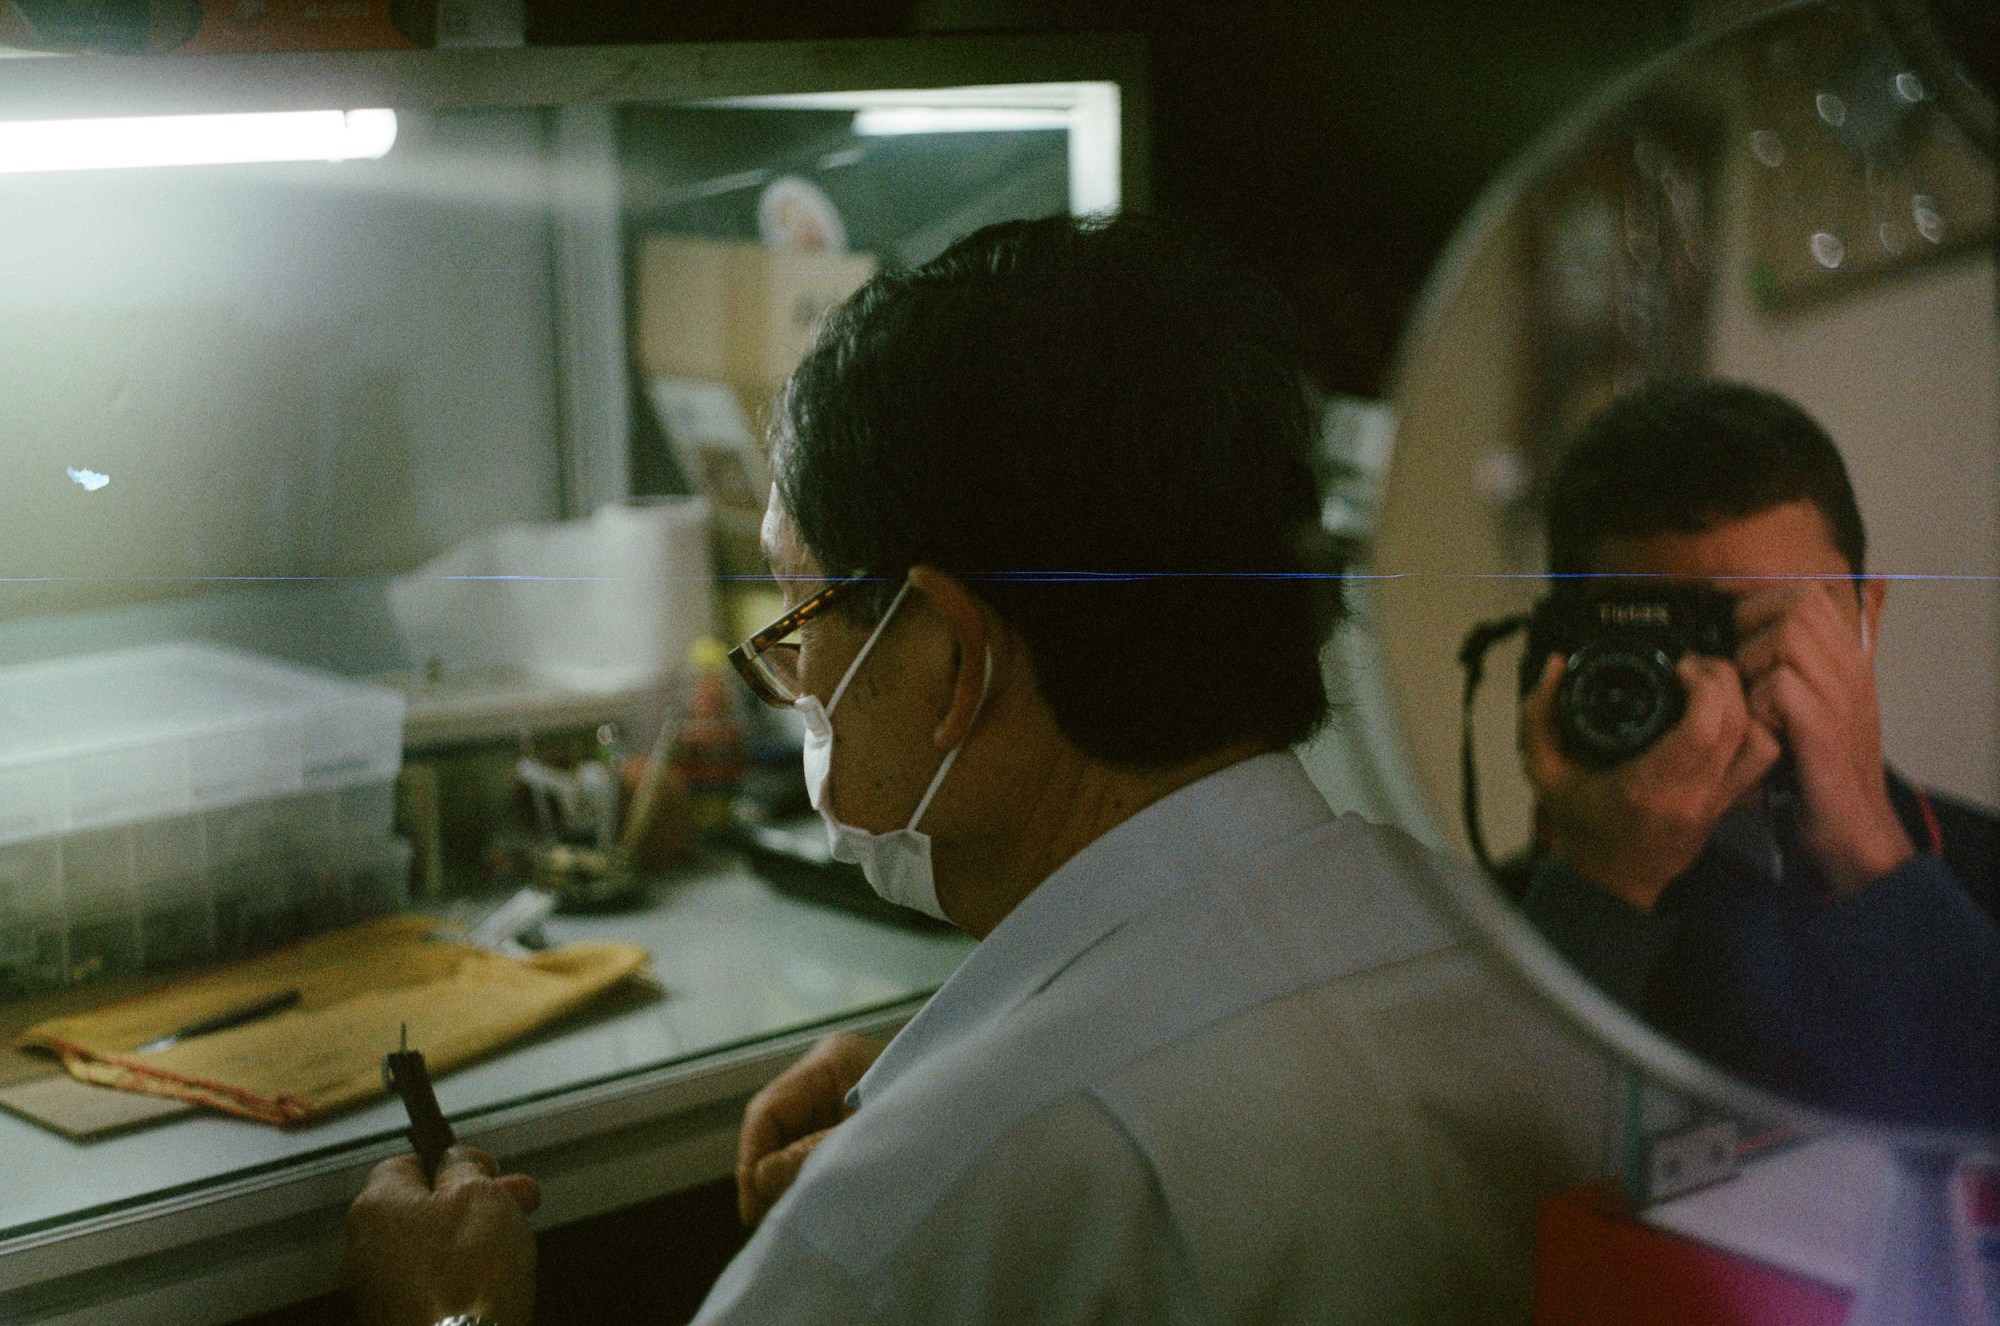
(1930, 221)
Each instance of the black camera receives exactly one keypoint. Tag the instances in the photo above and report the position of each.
(1619, 692)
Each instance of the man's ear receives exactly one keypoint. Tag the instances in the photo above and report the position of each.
(978, 645)
(1874, 591)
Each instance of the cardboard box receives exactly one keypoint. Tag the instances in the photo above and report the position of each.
(717, 328)
(732, 312)
(716, 433)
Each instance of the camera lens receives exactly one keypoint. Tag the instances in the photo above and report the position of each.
(1615, 701)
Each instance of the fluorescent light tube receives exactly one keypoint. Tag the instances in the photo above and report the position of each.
(876, 121)
(194, 140)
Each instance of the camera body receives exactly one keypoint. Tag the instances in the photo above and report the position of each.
(1620, 641)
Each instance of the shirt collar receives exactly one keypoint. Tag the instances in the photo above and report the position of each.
(1190, 835)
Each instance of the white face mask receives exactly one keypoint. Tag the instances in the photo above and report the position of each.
(897, 863)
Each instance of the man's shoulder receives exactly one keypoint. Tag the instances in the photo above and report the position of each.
(1405, 1119)
(1251, 1043)
(1330, 902)
(1367, 1046)
(1345, 894)
(1343, 897)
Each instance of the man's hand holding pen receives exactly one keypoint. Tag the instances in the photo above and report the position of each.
(420, 1251)
(441, 1232)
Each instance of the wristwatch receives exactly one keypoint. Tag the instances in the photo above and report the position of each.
(466, 1319)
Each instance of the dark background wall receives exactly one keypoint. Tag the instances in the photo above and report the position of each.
(1335, 143)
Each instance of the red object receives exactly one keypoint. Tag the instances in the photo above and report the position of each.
(1595, 1267)
(1931, 826)
(150, 27)
(708, 752)
(298, 25)
(1982, 1194)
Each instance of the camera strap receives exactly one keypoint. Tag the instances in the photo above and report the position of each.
(1931, 825)
(1472, 657)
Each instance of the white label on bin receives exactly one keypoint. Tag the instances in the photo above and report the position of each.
(352, 747)
(240, 766)
(136, 783)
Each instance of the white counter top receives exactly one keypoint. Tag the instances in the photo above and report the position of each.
(1814, 1209)
(207, 1218)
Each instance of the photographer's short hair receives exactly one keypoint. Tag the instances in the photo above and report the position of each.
(1101, 427)
(1687, 456)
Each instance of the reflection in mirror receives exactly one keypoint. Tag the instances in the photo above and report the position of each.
(1680, 759)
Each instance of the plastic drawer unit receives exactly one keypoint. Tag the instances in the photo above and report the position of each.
(176, 803)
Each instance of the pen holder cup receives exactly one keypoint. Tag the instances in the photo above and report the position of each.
(586, 879)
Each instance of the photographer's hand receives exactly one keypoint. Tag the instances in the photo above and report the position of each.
(1632, 828)
(1809, 679)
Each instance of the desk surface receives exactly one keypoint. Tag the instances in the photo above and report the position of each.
(750, 976)
(1814, 1210)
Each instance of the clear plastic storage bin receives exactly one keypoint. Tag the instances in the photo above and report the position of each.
(163, 730)
(180, 803)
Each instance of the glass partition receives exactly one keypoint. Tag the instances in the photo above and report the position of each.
(262, 406)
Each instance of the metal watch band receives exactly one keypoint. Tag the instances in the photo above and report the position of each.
(466, 1319)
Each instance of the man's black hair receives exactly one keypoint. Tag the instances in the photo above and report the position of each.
(1101, 427)
(1686, 456)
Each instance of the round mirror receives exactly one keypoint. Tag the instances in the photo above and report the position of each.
(1788, 208)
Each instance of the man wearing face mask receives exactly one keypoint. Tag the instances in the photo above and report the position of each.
(1046, 523)
(1757, 884)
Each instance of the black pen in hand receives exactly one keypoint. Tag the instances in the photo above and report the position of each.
(404, 1072)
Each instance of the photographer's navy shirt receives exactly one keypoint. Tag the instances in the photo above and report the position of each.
(1885, 1003)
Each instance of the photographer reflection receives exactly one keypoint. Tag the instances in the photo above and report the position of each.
(1719, 845)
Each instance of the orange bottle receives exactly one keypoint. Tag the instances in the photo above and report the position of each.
(709, 750)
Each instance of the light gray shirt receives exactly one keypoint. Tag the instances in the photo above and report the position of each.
(1225, 1065)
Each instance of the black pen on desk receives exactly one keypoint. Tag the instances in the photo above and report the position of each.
(230, 1017)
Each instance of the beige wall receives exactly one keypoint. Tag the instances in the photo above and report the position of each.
(1905, 374)
(1460, 403)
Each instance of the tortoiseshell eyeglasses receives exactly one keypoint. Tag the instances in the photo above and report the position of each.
(769, 660)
